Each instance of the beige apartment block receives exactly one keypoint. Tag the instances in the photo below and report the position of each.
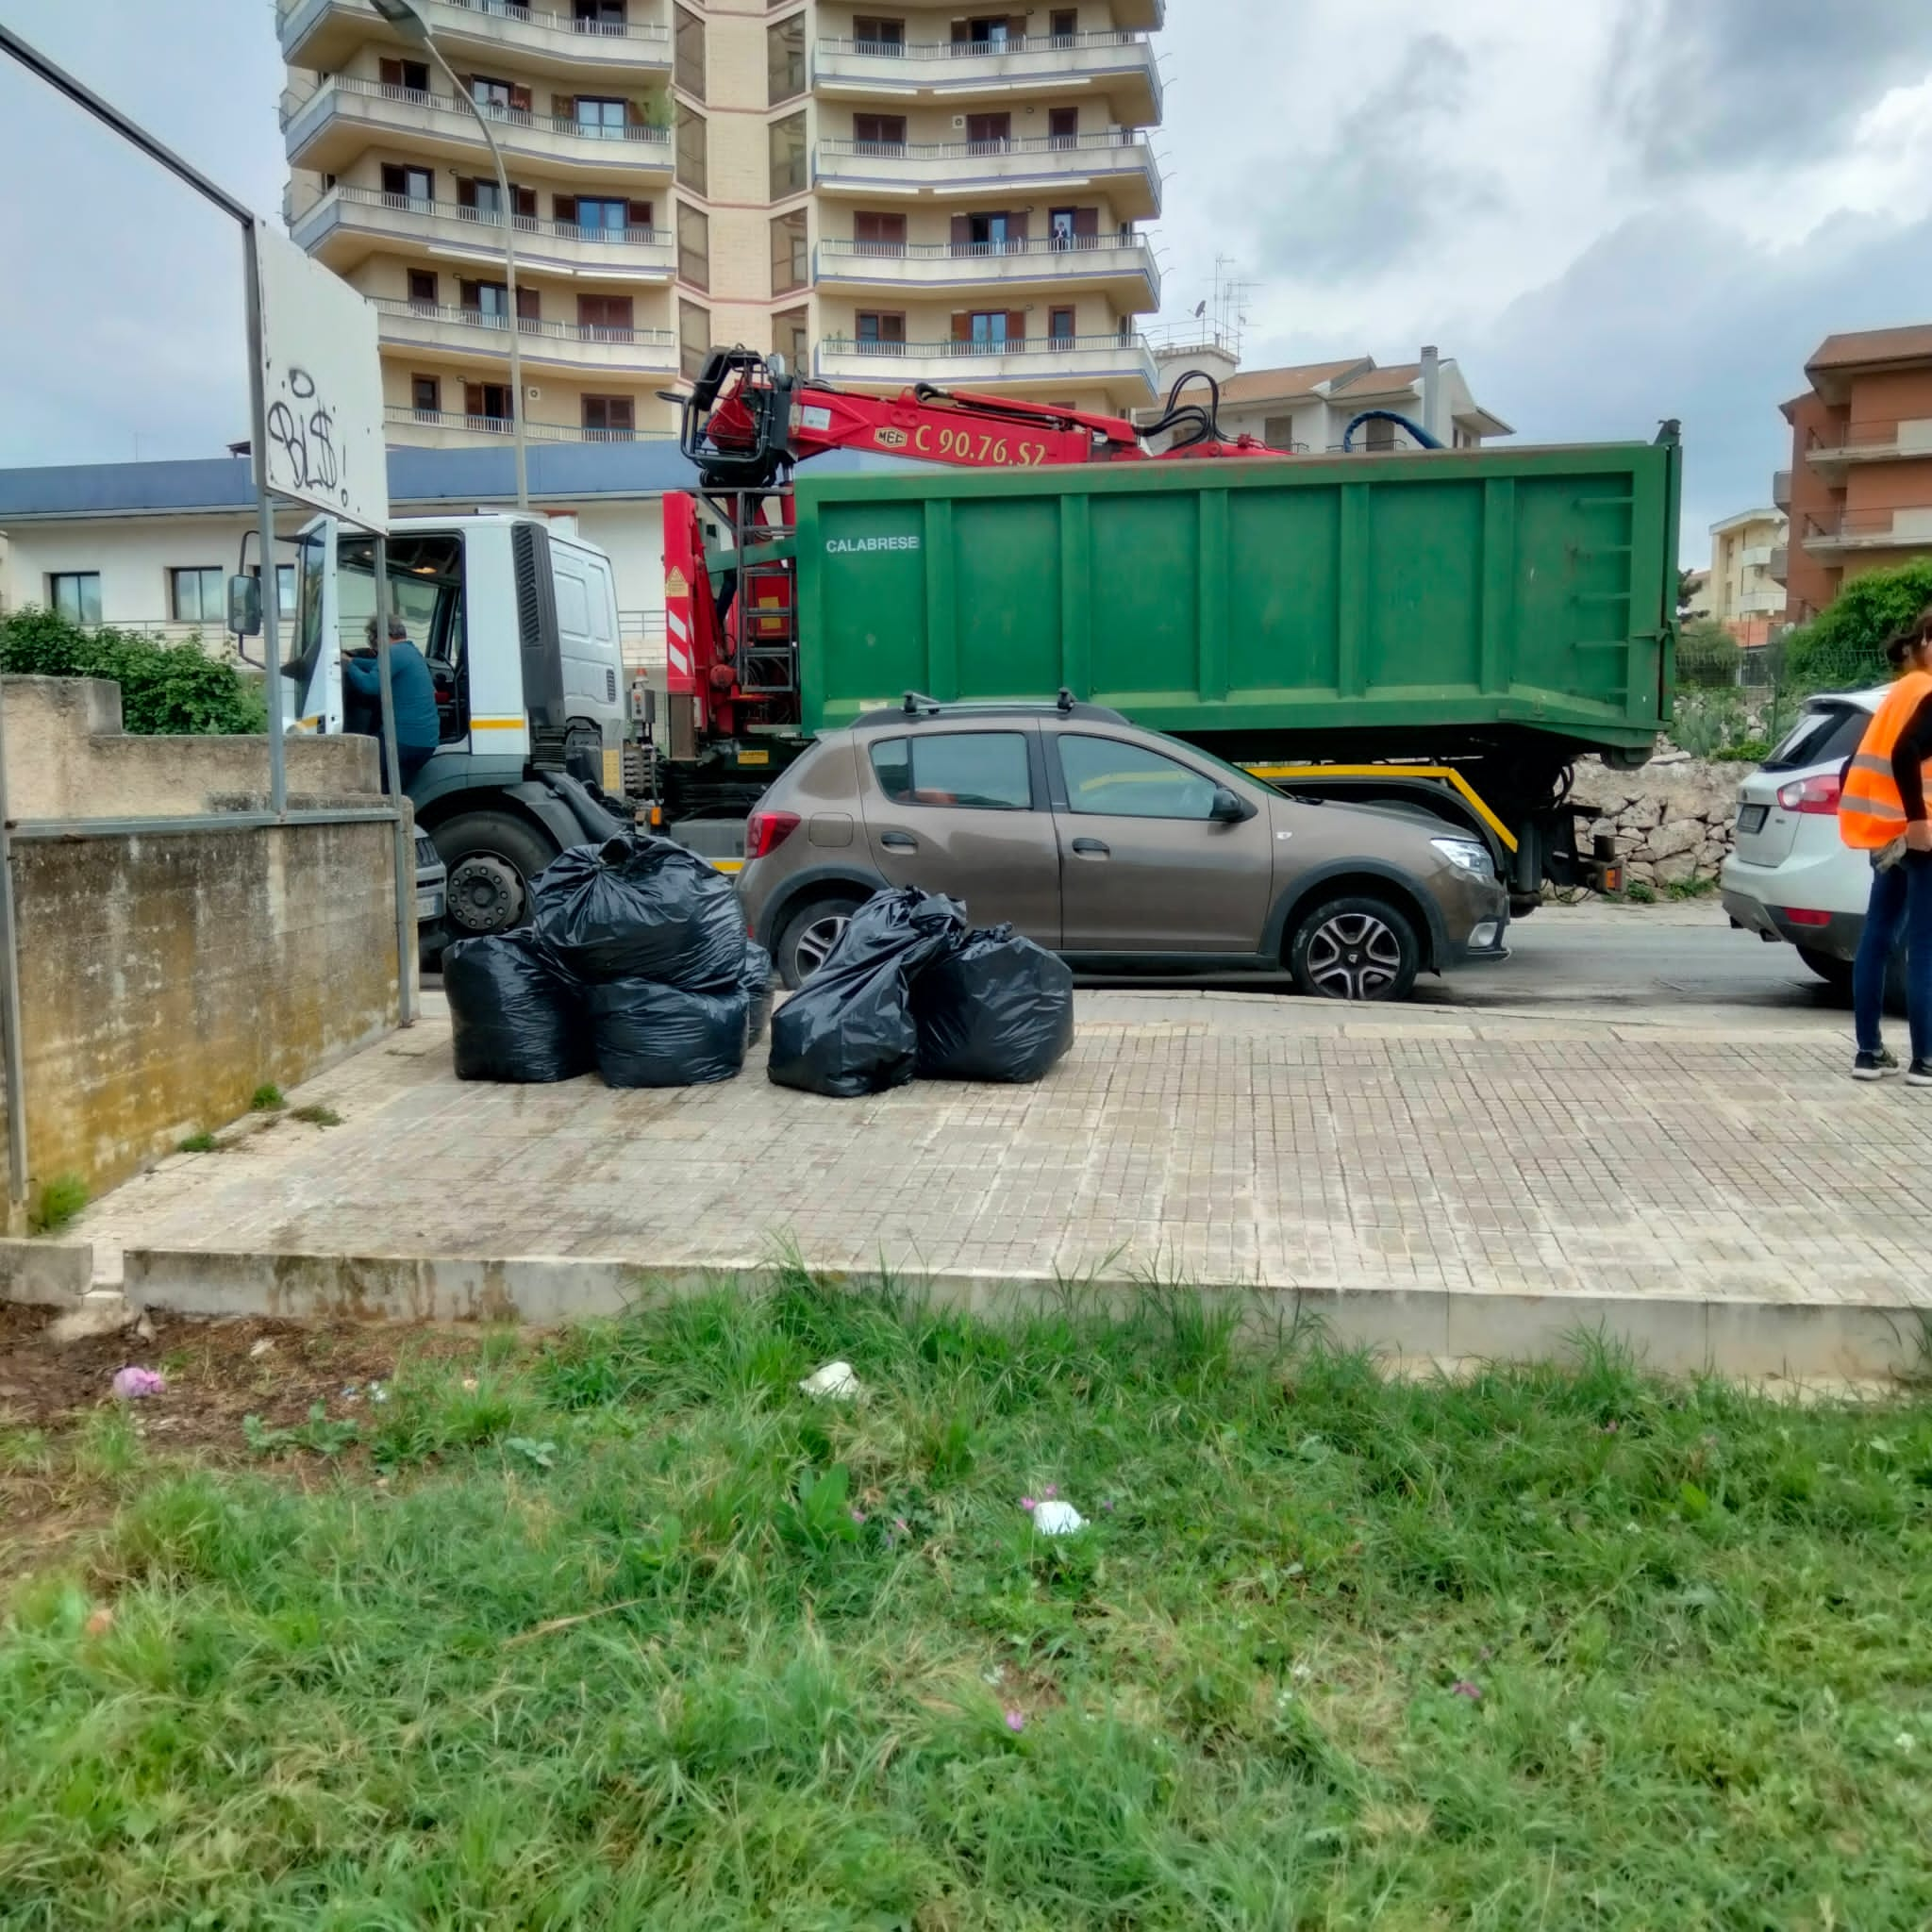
(885, 195)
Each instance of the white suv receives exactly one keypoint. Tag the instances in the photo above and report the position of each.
(1790, 875)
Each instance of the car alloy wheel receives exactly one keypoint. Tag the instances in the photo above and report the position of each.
(816, 941)
(1353, 956)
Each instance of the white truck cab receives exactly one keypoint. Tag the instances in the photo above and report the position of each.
(519, 627)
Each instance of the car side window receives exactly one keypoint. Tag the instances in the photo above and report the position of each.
(978, 770)
(1108, 780)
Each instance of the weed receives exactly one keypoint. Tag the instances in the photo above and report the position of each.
(317, 1116)
(203, 1143)
(1638, 894)
(267, 1098)
(58, 1202)
(319, 1435)
(1692, 888)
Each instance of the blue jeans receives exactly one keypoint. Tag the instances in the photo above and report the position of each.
(1902, 893)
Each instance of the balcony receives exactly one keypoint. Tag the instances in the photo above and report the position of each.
(1867, 529)
(1117, 160)
(1119, 63)
(443, 428)
(1781, 489)
(1832, 451)
(329, 129)
(348, 224)
(1059, 360)
(1105, 264)
(470, 333)
(325, 34)
(1780, 568)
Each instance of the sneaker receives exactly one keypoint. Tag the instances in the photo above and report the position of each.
(1875, 1066)
(1919, 1073)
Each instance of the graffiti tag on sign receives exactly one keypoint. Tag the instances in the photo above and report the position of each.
(302, 426)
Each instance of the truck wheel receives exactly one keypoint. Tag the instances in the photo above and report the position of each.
(810, 932)
(1356, 948)
(492, 859)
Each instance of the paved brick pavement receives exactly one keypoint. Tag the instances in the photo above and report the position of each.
(1223, 1138)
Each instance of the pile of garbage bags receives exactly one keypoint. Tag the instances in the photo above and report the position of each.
(635, 962)
(909, 991)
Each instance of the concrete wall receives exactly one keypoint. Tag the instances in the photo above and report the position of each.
(165, 975)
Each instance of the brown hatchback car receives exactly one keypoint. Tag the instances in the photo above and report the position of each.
(1124, 850)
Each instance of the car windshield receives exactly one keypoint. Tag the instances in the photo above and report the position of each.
(1826, 734)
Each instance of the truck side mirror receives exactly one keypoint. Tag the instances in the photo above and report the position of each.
(245, 605)
(1229, 807)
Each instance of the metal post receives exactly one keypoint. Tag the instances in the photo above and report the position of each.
(405, 850)
(265, 513)
(10, 1007)
(509, 268)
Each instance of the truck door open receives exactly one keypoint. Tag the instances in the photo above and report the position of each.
(313, 695)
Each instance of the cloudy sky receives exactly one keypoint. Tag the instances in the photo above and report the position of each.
(1610, 211)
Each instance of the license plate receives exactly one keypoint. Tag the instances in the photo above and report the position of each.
(1751, 818)
(429, 905)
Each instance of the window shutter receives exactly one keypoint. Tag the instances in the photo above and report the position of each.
(473, 399)
(390, 72)
(961, 33)
(962, 329)
(639, 214)
(891, 328)
(529, 304)
(466, 191)
(525, 200)
(1016, 324)
(519, 100)
(1016, 27)
(565, 207)
(471, 295)
(963, 233)
(1016, 228)
(1087, 221)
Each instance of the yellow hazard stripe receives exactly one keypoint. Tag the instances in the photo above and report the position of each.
(496, 724)
(1447, 773)
(731, 865)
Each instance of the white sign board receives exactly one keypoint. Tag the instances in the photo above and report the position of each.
(323, 385)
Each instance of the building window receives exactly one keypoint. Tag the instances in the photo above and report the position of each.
(599, 16)
(488, 406)
(988, 134)
(198, 594)
(489, 303)
(607, 118)
(791, 253)
(425, 290)
(693, 171)
(792, 337)
(285, 586)
(605, 318)
(987, 331)
(879, 134)
(502, 100)
(989, 234)
(693, 246)
(75, 595)
(1061, 324)
(693, 337)
(408, 187)
(687, 52)
(788, 157)
(610, 419)
(874, 35)
(1381, 434)
(426, 394)
(784, 60)
(1062, 126)
(879, 234)
(1062, 24)
(408, 79)
(880, 333)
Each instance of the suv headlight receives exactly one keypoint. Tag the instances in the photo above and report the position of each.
(1467, 855)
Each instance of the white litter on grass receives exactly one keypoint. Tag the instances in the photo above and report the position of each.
(1056, 1518)
(836, 1381)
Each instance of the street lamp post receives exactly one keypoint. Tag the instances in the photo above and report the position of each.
(403, 16)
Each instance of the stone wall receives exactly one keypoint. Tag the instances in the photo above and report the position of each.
(1673, 819)
(165, 975)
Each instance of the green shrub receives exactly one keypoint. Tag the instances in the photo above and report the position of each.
(58, 1202)
(1707, 723)
(1708, 655)
(1844, 647)
(267, 1098)
(166, 689)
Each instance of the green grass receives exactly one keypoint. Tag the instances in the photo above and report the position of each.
(201, 1143)
(317, 1116)
(58, 1202)
(625, 1632)
(267, 1098)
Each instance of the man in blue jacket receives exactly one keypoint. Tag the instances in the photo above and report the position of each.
(417, 729)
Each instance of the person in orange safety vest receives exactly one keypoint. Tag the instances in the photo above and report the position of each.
(1882, 811)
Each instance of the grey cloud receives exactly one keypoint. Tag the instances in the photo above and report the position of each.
(1371, 196)
(1715, 84)
(1670, 316)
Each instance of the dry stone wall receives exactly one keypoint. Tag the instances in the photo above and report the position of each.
(1673, 819)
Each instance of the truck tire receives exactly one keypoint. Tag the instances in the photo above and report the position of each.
(492, 859)
(807, 935)
(1359, 947)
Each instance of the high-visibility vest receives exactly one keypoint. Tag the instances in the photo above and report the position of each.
(1871, 813)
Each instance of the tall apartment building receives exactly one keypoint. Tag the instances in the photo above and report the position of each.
(1860, 489)
(906, 194)
(1739, 592)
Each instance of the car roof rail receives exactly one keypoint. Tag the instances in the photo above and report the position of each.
(916, 709)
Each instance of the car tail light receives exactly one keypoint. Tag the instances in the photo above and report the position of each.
(765, 831)
(1809, 796)
(1798, 915)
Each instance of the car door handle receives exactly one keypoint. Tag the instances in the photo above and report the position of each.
(1093, 848)
(899, 841)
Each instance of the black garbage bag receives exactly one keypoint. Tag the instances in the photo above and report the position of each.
(993, 1006)
(648, 1034)
(512, 1014)
(758, 990)
(848, 1030)
(638, 908)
